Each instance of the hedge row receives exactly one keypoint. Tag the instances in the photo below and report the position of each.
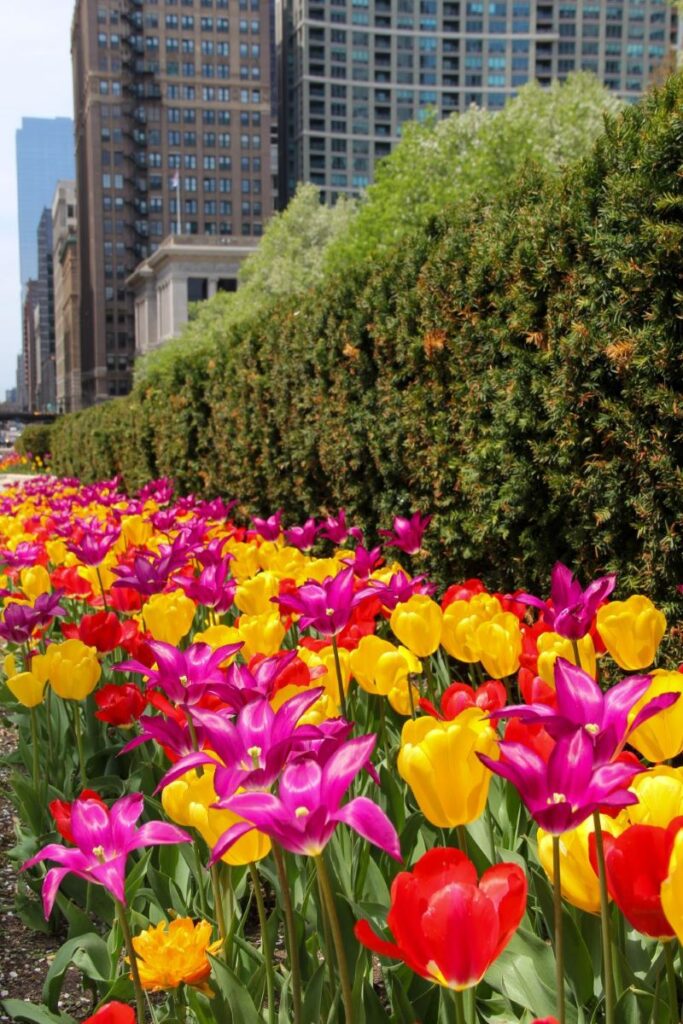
(516, 370)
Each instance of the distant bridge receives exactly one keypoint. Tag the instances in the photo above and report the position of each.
(9, 416)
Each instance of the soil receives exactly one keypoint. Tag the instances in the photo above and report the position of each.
(25, 955)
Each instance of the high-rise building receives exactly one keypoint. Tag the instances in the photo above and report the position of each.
(172, 104)
(65, 275)
(350, 72)
(45, 323)
(28, 348)
(45, 152)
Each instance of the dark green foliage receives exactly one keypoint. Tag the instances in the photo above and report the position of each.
(35, 439)
(515, 368)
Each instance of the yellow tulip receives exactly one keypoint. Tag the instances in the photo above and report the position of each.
(660, 737)
(169, 617)
(253, 595)
(672, 889)
(461, 622)
(403, 700)
(500, 644)
(188, 801)
(244, 562)
(439, 762)
(320, 568)
(631, 631)
(9, 665)
(580, 885)
(262, 634)
(73, 669)
(417, 624)
(364, 658)
(27, 688)
(393, 670)
(218, 636)
(660, 797)
(35, 581)
(136, 530)
(56, 551)
(552, 646)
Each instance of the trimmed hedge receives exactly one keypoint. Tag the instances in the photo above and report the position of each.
(516, 369)
(35, 439)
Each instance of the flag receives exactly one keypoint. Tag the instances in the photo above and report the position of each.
(175, 180)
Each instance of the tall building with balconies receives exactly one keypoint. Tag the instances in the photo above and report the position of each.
(66, 300)
(350, 72)
(172, 105)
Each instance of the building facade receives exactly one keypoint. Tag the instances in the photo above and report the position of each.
(172, 105)
(29, 376)
(45, 397)
(66, 305)
(184, 269)
(350, 72)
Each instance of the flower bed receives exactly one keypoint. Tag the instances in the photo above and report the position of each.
(271, 775)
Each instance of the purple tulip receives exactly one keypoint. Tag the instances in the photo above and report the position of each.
(97, 541)
(249, 683)
(210, 587)
(407, 534)
(167, 733)
(160, 491)
(151, 575)
(572, 609)
(302, 537)
(307, 809)
(185, 676)
(581, 704)
(326, 606)
(268, 528)
(251, 751)
(399, 589)
(104, 837)
(566, 790)
(25, 555)
(21, 620)
(364, 562)
(334, 528)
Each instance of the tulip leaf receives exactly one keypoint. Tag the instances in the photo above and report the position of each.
(89, 953)
(19, 1009)
(238, 1006)
(310, 1009)
(525, 973)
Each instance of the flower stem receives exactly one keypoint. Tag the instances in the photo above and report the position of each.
(462, 838)
(35, 752)
(218, 903)
(671, 981)
(337, 937)
(559, 937)
(340, 681)
(577, 653)
(132, 956)
(99, 580)
(79, 746)
(265, 941)
(607, 969)
(459, 1003)
(292, 949)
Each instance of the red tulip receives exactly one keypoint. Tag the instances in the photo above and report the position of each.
(636, 863)
(461, 592)
(112, 1013)
(68, 579)
(532, 735)
(119, 705)
(61, 812)
(101, 630)
(448, 926)
(490, 696)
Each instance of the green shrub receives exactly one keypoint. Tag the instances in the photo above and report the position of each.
(514, 367)
(35, 439)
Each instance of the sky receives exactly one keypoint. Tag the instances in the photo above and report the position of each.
(35, 81)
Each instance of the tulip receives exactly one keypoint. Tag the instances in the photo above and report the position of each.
(253, 596)
(268, 528)
(457, 697)
(461, 621)
(433, 753)
(580, 885)
(660, 738)
(500, 644)
(325, 606)
(572, 609)
(671, 892)
(21, 620)
(103, 837)
(27, 688)
(175, 952)
(449, 926)
(186, 677)
(636, 864)
(363, 661)
(102, 630)
(398, 588)
(35, 581)
(660, 796)
(61, 812)
(551, 646)
(261, 634)
(631, 631)
(112, 1013)
(417, 624)
(302, 537)
(168, 617)
(334, 528)
(407, 534)
(211, 588)
(119, 705)
(307, 809)
(73, 669)
(190, 800)
(570, 787)
(392, 673)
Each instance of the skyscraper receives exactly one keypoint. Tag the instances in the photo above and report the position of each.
(45, 152)
(350, 72)
(172, 103)
(45, 326)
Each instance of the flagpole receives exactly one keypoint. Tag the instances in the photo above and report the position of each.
(178, 207)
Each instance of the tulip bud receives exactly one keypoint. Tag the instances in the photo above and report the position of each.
(27, 688)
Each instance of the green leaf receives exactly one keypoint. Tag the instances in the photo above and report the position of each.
(18, 1009)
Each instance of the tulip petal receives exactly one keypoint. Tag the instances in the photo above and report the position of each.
(370, 822)
(343, 766)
